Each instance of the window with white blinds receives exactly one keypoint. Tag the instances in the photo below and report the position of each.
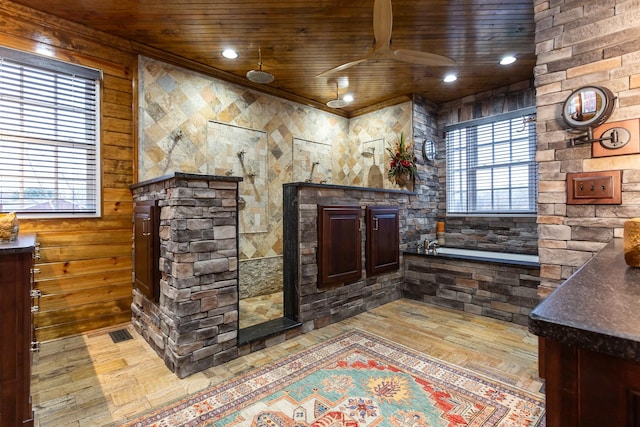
(49, 145)
(491, 167)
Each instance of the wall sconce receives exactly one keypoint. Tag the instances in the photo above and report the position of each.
(589, 107)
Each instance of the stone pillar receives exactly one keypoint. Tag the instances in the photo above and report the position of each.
(195, 323)
(582, 44)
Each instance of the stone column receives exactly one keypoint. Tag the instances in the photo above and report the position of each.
(195, 323)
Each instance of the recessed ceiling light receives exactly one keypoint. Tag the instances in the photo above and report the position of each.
(348, 97)
(230, 54)
(508, 60)
(450, 78)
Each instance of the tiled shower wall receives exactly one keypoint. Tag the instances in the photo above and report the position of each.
(178, 109)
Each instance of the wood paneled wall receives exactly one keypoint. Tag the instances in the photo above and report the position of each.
(85, 269)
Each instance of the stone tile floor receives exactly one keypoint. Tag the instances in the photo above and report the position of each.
(88, 380)
(260, 309)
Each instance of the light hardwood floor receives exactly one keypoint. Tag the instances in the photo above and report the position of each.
(90, 381)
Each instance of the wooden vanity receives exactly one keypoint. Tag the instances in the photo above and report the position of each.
(16, 273)
(589, 331)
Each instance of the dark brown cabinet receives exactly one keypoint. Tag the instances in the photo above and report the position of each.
(339, 245)
(16, 269)
(383, 239)
(589, 389)
(146, 248)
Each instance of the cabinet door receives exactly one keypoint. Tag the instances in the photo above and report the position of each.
(609, 391)
(383, 239)
(146, 248)
(339, 245)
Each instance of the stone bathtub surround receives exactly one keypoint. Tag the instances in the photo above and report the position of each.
(195, 324)
(502, 290)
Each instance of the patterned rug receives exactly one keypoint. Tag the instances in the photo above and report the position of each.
(355, 380)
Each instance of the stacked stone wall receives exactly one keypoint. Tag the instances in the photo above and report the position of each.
(319, 307)
(503, 291)
(502, 233)
(578, 44)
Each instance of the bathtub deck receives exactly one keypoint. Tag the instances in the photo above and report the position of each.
(480, 255)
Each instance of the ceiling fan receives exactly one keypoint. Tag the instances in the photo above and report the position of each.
(382, 24)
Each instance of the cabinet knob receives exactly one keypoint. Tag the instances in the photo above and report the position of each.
(35, 271)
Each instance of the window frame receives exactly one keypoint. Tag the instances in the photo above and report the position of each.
(68, 146)
(462, 168)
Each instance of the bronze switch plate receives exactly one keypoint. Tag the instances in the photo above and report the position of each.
(594, 188)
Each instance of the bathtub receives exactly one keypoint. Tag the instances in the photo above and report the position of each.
(488, 256)
(490, 283)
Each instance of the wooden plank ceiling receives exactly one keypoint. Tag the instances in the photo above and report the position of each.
(300, 39)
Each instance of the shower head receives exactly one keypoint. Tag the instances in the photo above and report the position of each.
(259, 76)
(337, 103)
(369, 153)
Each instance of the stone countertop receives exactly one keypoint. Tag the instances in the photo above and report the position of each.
(183, 175)
(345, 187)
(596, 308)
(25, 242)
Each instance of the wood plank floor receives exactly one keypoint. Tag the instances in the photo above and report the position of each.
(90, 381)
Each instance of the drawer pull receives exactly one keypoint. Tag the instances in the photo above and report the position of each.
(146, 227)
(35, 346)
(36, 255)
(35, 271)
(35, 293)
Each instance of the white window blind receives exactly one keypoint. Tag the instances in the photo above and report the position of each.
(491, 167)
(49, 147)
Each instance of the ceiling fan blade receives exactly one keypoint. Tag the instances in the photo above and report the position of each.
(382, 23)
(422, 58)
(342, 67)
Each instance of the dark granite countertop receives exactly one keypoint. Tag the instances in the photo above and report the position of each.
(25, 242)
(596, 308)
(183, 175)
(345, 187)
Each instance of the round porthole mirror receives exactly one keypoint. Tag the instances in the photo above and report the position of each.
(429, 150)
(588, 107)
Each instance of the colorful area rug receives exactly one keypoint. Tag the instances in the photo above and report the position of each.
(355, 380)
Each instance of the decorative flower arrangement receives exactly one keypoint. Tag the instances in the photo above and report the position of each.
(403, 161)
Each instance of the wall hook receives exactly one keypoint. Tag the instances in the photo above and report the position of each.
(527, 119)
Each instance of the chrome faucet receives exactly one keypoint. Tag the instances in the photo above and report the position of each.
(431, 248)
